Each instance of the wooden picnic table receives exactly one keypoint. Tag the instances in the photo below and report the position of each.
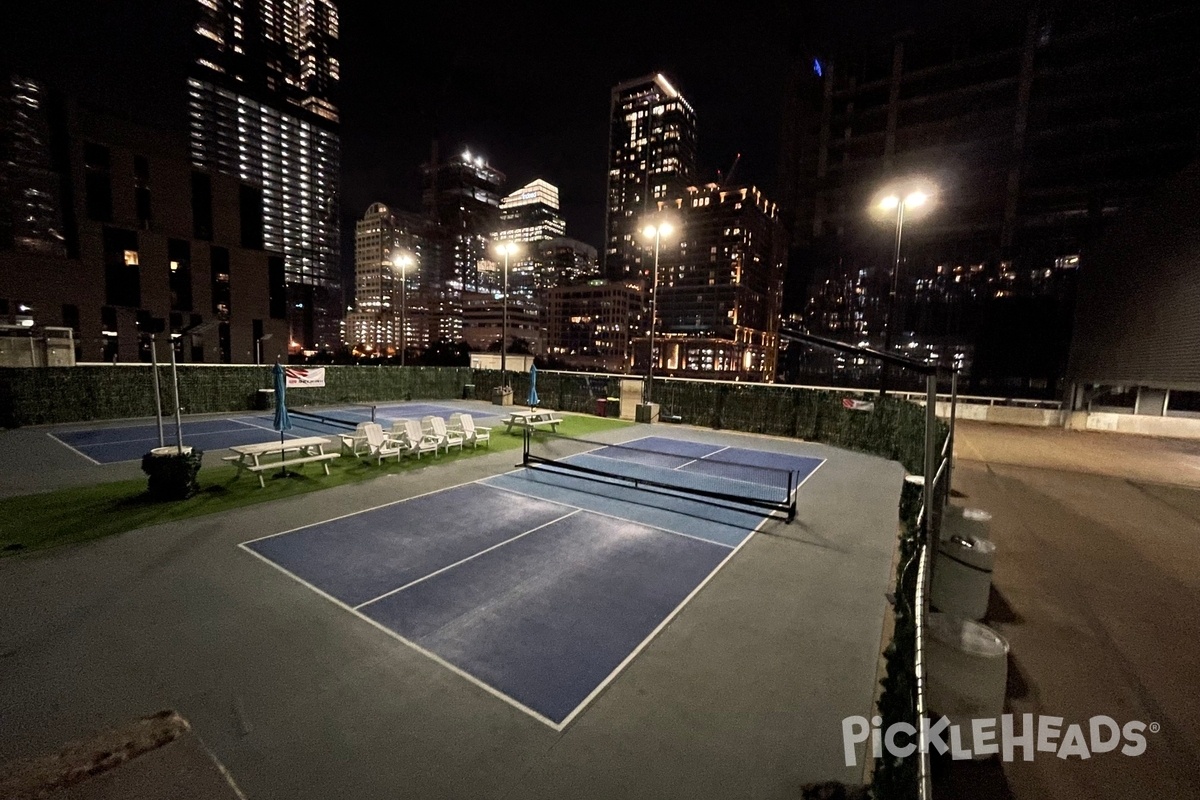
(250, 457)
(532, 420)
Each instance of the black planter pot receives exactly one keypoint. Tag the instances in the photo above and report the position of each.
(172, 475)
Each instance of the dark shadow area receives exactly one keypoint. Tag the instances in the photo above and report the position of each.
(999, 611)
(1016, 687)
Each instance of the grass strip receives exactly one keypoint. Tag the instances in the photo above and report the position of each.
(80, 514)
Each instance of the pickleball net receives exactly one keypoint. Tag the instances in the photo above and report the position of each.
(346, 417)
(707, 477)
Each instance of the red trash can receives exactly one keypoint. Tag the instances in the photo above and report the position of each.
(601, 406)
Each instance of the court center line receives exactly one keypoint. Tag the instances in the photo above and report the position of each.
(706, 455)
(145, 438)
(434, 657)
(621, 519)
(465, 560)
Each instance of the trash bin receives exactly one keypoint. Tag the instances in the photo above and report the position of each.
(468, 391)
(967, 523)
(601, 406)
(613, 408)
(962, 576)
(967, 673)
(264, 399)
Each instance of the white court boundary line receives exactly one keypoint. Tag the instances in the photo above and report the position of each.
(79, 452)
(428, 654)
(461, 561)
(600, 687)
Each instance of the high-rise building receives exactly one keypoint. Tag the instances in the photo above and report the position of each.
(651, 160)
(591, 325)
(261, 108)
(389, 246)
(720, 286)
(31, 207)
(1036, 129)
(133, 241)
(530, 214)
(563, 262)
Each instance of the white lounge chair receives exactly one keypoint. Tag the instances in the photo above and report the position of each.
(412, 440)
(355, 444)
(436, 427)
(472, 434)
(379, 444)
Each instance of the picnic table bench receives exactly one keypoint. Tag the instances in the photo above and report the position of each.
(532, 420)
(304, 450)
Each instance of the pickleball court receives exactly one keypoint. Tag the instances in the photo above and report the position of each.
(541, 584)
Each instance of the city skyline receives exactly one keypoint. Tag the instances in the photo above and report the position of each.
(541, 112)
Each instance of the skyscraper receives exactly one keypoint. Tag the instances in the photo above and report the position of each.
(381, 237)
(261, 108)
(719, 294)
(1036, 128)
(651, 160)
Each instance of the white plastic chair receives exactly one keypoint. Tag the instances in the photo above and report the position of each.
(355, 444)
(436, 428)
(379, 444)
(472, 434)
(412, 440)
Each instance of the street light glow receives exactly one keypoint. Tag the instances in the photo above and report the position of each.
(889, 202)
(661, 230)
(506, 249)
(916, 199)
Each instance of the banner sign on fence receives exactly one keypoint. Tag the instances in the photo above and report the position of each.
(312, 378)
(857, 405)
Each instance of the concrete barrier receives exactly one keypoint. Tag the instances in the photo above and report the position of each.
(1137, 424)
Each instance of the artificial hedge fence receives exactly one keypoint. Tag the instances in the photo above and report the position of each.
(49, 395)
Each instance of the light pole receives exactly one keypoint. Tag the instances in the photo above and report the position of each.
(258, 347)
(899, 204)
(402, 261)
(655, 232)
(505, 249)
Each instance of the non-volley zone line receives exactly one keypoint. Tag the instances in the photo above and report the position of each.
(538, 602)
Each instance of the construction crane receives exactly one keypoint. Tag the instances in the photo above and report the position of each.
(728, 179)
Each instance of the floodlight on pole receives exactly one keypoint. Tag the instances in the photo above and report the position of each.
(402, 261)
(893, 201)
(656, 232)
(505, 249)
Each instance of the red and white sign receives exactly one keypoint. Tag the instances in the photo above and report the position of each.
(857, 405)
(313, 378)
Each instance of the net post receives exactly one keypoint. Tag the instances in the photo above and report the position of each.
(525, 447)
(792, 492)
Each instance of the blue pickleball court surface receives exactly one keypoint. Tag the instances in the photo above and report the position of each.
(537, 586)
(111, 444)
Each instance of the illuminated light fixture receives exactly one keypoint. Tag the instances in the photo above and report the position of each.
(466, 155)
(666, 85)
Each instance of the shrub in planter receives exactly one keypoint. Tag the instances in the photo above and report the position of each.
(172, 475)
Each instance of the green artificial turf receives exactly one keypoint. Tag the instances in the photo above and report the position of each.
(34, 522)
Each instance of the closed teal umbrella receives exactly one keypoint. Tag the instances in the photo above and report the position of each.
(533, 398)
(283, 422)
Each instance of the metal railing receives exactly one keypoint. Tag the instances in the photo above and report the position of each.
(935, 497)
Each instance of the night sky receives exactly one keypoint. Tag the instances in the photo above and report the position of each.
(526, 85)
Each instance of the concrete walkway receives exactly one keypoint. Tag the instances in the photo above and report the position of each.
(1097, 589)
